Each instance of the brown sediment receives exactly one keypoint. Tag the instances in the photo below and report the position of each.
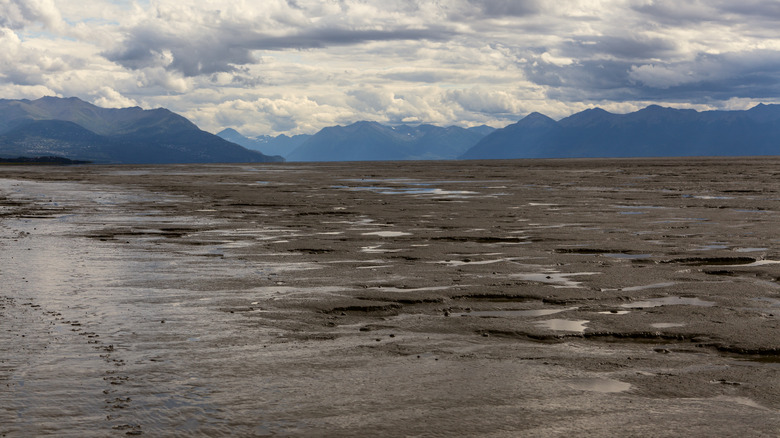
(190, 300)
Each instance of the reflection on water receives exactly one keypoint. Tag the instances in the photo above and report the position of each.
(430, 191)
(387, 233)
(564, 325)
(125, 338)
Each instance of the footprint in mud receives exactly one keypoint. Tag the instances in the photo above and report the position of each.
(130, 429)
(116, 380)
(108, 353)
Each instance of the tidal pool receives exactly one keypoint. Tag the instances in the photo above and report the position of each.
(564, 324)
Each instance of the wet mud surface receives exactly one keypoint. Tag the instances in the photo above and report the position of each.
(533, 298)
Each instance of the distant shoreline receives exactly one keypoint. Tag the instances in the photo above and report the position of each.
(41, 161)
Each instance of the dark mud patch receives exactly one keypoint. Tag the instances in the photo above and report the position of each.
(742, 191)
(709, 261)
(141, 233)
(641, 336)
(593, 251)
(367, 308)
(721, 272)
(313, 250)
(312, 336)
(405, 258)
(760, 354)
(534, 337)
(411, 300)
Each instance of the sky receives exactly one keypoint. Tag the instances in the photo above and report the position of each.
(267, 67)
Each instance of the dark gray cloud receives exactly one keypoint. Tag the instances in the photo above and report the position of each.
(751, 74)
(677, 13)
(150, 46)
(583, 80)
(754, 75)
(715, 11)
(629, 47)
(223, 49)
(765, 10)
(507, 8)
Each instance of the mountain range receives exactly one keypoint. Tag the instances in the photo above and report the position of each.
(280, 145)
(73, 129)
(371, 141)
(368, 141)
(651, 132)
(76, 130)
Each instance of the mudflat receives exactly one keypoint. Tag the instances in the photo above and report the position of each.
(470, 298)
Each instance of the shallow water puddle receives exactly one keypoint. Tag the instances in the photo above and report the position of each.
(648, 286)
(669, 301)
(555, 278)
(410, 191)
(758, 263)
(416, 289)
(710, 247)
(667, 324)
(599, 384)
(751, 249)
(564, 324)
(387, 233)
(377, 249)
(514, 313)
(707, 197)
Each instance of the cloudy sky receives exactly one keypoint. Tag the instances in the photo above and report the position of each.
(295, 66)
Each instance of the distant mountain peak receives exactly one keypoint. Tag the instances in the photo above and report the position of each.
(588, 117)
(536, 120)
(228, 131)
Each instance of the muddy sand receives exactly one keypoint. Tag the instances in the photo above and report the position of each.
(514, 298)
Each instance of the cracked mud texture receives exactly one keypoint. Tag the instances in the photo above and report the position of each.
(496, 298)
